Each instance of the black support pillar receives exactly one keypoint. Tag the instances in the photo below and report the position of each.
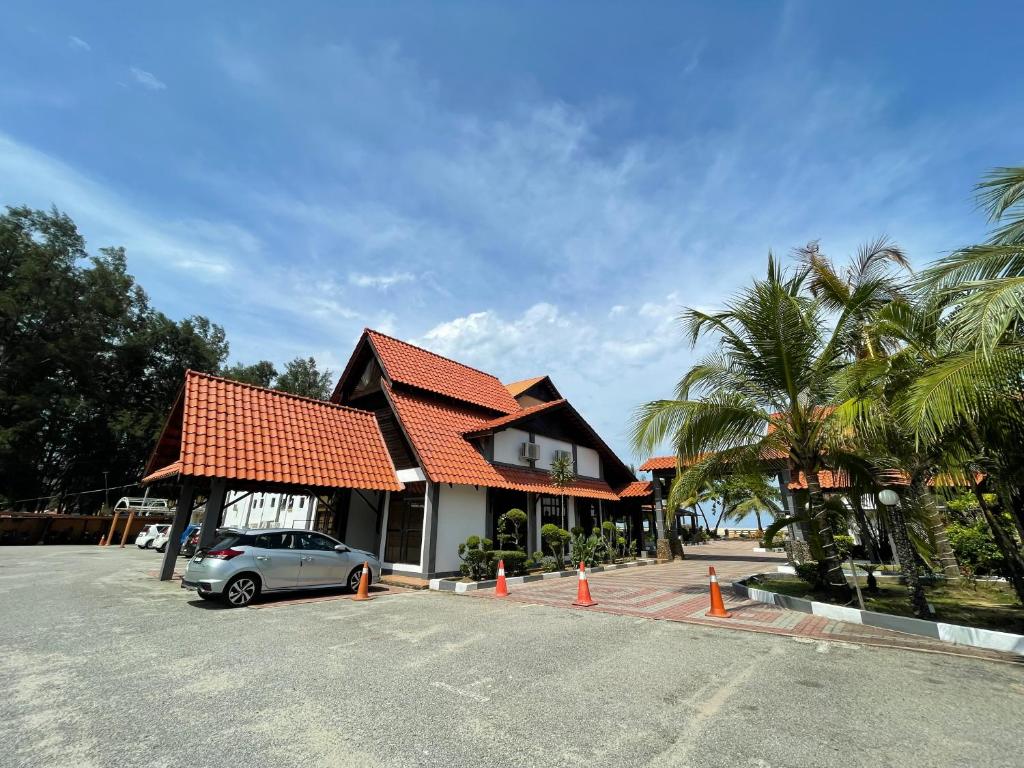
(214, 507)
(182, 514)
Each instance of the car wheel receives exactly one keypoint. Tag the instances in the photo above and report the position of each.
(241, 590)
(149, 544)
(161, 548)
(355, 576)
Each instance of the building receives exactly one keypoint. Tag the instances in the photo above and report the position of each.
(450, 450)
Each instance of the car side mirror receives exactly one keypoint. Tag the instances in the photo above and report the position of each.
(340, 548)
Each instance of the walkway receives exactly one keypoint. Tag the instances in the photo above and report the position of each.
(678, 591)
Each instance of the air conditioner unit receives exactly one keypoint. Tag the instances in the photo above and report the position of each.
(563, 455)
(529, 451)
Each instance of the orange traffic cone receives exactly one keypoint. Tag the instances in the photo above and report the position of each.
(501, 588)
(717, 605)
(363, 593)
(103, 540)
(583, 598)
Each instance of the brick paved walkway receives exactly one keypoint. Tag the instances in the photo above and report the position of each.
(678, 591)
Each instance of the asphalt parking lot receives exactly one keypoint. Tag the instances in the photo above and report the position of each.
(101, 665)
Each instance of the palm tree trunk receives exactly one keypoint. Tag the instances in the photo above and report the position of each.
(925, 501)
(870, 542)
(760, 530)
(831, 564)
(908, 562)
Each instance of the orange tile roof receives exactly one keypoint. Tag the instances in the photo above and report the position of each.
(436, 428)
(658, 462)
(416, 367)
(637, 490)
(517, 388)
(242, 432)
(512, 418)
(828, 479)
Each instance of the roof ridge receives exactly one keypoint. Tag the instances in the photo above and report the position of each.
(280, 392)
(435, 354)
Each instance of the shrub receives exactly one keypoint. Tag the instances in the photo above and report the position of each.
(549, 564)
(514, 519)
(975, 547)
(475, 554)
(556, 538)
(515, 561)
(844, 545)
(584, 549)
(808, 571)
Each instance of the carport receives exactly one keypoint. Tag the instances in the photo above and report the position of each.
(224, 435)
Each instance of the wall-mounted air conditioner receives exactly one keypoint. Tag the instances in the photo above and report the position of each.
(529, 451)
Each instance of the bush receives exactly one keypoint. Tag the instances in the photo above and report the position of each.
(808, 571)
(844, 544)
(475, 554)
(975, 548)
(550, 564)
(514, 519)
(584, 549)
(515, 561)
(556, 538)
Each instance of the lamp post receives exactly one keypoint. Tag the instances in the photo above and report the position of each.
(904, 549)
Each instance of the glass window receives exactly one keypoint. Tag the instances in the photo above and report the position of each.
(230, 539)
(315, 541)
(270, 541)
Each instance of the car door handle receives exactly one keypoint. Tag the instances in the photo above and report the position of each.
(262, 557)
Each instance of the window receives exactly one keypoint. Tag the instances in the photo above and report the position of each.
(272, 541)
(315, 541)
(302, 502)
(273, 501)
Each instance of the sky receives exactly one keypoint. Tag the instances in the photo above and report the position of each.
(530, 188)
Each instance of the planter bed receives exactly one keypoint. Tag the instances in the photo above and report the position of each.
(977, 637)
(461, 585)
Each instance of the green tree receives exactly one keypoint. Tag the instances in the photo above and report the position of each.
(766, 392)
(262, 374)
(302, 377)
(87, 367)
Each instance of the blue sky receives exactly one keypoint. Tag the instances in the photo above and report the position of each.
(528, 187)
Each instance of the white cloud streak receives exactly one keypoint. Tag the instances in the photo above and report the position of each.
(147, 79)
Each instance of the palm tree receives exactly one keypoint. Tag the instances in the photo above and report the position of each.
(768, 393)
(737, 495)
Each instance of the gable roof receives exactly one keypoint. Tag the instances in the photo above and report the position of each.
(407, 364)
(513, 418)
(637, 490)
(517, 388)
(227, 429)
(658, 462)
(436, 429)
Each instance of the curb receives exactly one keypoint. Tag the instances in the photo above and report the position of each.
(461, 587)
(989, 639)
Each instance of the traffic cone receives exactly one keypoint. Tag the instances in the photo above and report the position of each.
(583, 598)
(363, 593)
(501, 588)
(717, 605)
(103, 540)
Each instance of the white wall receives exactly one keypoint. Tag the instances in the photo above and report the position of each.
(506, 445)
(268, 510)
(548, 448)
(588, 462)
(362, 521)
(461, 512)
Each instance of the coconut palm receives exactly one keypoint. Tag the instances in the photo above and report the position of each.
(767, 393)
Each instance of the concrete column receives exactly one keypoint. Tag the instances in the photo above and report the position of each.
(182, 514)
(113, 525)
(430, 509)
(214, 507)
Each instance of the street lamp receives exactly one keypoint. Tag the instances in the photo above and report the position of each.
(889, 497)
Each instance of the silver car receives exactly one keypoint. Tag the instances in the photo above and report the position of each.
(245, 562)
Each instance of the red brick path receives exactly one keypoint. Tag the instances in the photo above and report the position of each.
(679, 592)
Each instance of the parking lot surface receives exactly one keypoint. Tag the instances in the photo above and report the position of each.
(101, 666)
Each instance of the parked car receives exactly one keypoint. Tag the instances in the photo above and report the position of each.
(191, 542)
(160, 544)
(149, 534)
(246, 562)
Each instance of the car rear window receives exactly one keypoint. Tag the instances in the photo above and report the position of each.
(230, 539)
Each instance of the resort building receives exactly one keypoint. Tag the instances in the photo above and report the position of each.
(413, 454)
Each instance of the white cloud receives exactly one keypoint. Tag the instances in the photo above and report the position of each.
(147, 79)
(381, 282)
(78, 44)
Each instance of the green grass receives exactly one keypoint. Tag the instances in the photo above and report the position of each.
(989, 606)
